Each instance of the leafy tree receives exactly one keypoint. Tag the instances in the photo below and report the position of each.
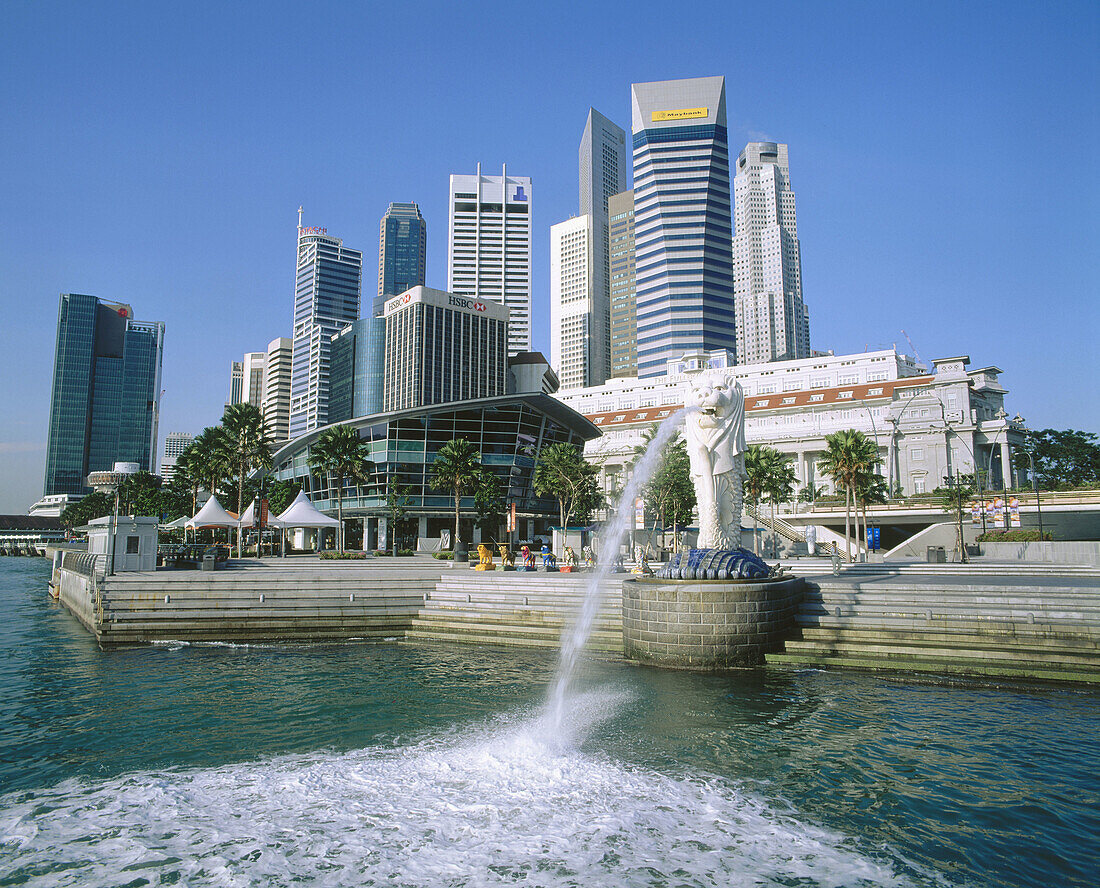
(671, 493)
(871, 488)
(561, 472)
(457, 470)
(340, 453)
(139, 494)
(94, 505)
(398, 498)
(489, 503)
(280, 494)
(810, 493)
(1063, 458)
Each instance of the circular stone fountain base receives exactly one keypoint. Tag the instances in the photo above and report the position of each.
(707, 624)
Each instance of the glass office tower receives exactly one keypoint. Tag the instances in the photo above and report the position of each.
(683, 225)
(402, 249)
(106, 392)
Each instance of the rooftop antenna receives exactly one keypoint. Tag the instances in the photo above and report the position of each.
(910, 341)
(299, 217)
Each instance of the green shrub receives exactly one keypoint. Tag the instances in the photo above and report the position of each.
(405, 553)
(343, 556)
(1012, 536)
(444, 556)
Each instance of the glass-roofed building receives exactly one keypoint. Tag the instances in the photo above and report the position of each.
(508, 431)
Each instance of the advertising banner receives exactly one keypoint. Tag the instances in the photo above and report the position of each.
(639, 514)
(1014, 511)
(512, 518)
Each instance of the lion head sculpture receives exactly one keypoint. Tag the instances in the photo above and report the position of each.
(714, 399)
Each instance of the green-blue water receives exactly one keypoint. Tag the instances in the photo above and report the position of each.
(411, 765)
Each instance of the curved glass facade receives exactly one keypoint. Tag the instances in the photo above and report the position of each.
(508, 431)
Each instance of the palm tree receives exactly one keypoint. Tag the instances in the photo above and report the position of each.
(779, 486)
(760, 463)
(870, 488)
(340, 453)
(849, 456)
(247, 444)
(456, 469)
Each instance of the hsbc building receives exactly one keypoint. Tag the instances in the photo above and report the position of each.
(442, 347)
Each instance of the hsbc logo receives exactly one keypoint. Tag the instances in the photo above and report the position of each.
(461, 302)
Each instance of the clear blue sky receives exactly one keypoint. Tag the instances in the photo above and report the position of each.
(944, 158)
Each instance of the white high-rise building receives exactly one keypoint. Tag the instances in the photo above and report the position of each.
(236, 383)
(252, 382)
(578, 332)
(489, 246)
(276, 398)
(327, 290)
(772, 321)
(174, 445)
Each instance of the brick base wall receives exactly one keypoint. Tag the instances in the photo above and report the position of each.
(707, 623)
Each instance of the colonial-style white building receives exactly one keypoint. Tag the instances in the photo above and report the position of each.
(927, 424)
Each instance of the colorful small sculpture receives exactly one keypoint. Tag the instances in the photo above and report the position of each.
(528, 559)
(642, 569)
(589, 558)
(549, 560)
(485, 558)
(507, 558)
(570, 560)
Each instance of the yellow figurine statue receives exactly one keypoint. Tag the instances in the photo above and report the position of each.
(485, 556)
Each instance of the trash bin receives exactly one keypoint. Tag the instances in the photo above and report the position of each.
(208, 562)
(937, 555)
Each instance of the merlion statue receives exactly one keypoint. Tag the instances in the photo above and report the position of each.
(715, 432)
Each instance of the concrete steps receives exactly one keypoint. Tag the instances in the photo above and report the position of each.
(1047, 629)
(517, 609)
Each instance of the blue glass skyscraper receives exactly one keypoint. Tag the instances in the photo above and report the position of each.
(683, 225)
(402, 249)
(106, 392)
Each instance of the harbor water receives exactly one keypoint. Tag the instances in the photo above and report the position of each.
(414, 765)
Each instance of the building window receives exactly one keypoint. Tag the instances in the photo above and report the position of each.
(918, 485)
(917, 454)
(132, 545)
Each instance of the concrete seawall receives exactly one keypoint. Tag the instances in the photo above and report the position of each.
(255, 601)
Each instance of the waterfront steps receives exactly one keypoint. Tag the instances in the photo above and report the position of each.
(258, 601)
(517, 609)
(1043, 628)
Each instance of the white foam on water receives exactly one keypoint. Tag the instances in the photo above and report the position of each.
(496, 806)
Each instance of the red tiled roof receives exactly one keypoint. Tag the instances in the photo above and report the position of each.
(769, 402)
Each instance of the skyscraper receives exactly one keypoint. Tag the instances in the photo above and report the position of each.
(357, 369)
(441, 347)
(326, 299)
(276, 400)
(624, 313)
(106, 392)
(236, 383)
(578, 345)
(402, 249)
(683, 226)
(489, 246)
(252, 382)
(174, 445)
(772, 321)
(603, 172)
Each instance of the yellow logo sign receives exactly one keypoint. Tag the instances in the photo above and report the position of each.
(681, 114)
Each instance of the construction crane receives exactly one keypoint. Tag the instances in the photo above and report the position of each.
(913, 347)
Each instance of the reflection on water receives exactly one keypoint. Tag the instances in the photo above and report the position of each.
(426, 765)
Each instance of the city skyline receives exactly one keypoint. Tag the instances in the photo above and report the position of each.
(170, 200)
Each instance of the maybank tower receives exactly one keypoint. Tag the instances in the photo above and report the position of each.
(683, 225)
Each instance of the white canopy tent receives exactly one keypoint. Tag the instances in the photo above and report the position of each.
(211, 515)
(302, 513)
